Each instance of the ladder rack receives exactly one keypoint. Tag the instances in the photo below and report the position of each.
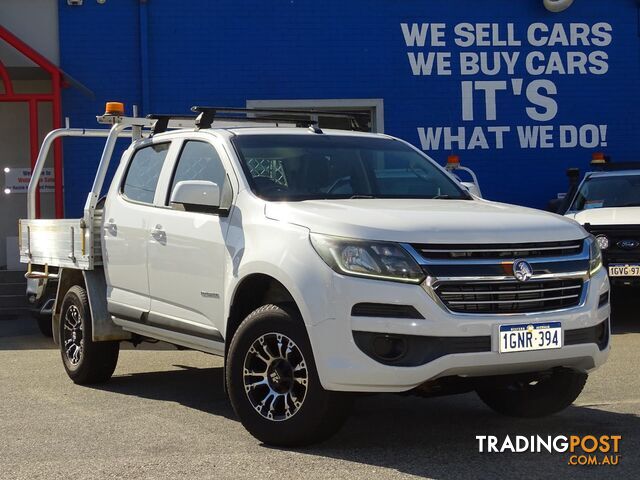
(75, 243)
(133, 127)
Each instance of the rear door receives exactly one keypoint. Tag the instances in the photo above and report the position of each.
(187, 249)
(126, 228)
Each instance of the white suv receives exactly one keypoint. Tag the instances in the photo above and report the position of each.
(322, 263)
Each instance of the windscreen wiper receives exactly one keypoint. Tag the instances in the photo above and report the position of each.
(447, 197)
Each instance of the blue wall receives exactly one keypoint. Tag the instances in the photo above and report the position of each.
(226, 52)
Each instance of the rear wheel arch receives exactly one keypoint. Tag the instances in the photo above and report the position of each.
(67, 278)
(84, 360)
(94, 284)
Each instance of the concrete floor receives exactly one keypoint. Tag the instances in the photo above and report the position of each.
(164, 415)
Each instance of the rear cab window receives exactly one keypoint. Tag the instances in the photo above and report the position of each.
(141, 179)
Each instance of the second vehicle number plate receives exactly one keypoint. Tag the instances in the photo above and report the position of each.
(624, 270)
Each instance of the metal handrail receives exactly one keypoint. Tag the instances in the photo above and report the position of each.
(44, 152)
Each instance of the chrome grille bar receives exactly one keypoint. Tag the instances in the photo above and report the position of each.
(511, 292)
(546, 299)
(491, 297)
(501, 250)
(549, 251)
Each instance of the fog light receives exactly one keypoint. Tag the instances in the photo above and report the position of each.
(31, 298)
(389, 348)
(603, 242)
(604, 299)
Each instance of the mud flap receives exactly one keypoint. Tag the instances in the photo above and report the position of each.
(104, 329)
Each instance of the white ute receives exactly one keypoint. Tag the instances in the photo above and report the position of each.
(319, 264)
(607, 204)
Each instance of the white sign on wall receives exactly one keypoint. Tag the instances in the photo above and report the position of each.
(16, 180)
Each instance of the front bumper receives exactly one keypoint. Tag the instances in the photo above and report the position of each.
(342, 365)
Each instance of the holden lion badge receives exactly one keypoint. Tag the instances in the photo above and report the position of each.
(522, 270)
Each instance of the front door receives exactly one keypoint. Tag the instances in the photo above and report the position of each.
(187, 251)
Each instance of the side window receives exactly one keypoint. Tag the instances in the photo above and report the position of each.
(144, 170)
(198, 161)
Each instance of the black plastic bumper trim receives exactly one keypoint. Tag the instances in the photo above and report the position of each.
(385, 310)
(598, 334)
(421, 350)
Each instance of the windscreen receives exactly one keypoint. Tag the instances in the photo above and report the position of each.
(321, 166)
(610, 191)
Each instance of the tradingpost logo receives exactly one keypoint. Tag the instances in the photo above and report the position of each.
(580, 449)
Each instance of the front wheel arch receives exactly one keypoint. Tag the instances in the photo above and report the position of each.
(318, 413)
(252, 292)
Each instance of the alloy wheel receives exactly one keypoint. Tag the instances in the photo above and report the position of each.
(73, 340)
(275, 376)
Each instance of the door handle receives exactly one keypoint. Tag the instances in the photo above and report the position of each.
(159, 234)
(111, 227)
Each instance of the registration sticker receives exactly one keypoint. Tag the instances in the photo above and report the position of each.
(528, 336)
(589, 204)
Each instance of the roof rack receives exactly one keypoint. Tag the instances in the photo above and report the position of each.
(271, 115)
(164, 122)
(207, 115)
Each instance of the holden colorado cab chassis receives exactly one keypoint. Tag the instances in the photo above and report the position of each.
(319, 264)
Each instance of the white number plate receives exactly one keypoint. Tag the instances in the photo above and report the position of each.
(624, 270)
(528, 336)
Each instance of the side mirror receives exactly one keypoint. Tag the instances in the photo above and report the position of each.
(196, 196)
(573, 174)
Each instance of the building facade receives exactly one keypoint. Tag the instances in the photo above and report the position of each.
(520, 92)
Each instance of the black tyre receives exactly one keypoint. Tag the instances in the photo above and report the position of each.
(44, 324)
(529, 399)
(273, 383)
(84, 360)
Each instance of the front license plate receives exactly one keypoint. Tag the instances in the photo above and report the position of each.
(624, 270)
(528, 336)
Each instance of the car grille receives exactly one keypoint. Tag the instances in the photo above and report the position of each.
(510, 297)
(615, 234)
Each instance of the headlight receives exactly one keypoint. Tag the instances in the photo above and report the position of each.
(602, 241)
(595, 256)
(361, 258)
